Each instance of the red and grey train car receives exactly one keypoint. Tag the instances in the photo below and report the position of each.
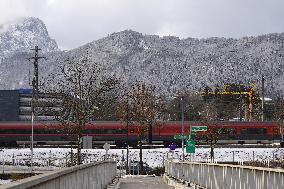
(49, 133)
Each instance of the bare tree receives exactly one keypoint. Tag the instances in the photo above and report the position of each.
(192, 106)
(209, 116)
(141, 106)
(80, 89)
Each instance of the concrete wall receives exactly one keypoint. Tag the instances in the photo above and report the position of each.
(219, 176)
(88, 176)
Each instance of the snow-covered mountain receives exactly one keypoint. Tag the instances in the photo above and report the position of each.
(174, 64)
(23, 34)
(169, 63)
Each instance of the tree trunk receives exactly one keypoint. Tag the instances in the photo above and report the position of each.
(212, 152)
(150, 137)
(140, 156)
(79, 160)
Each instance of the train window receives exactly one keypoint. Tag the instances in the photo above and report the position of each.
(58, 131)
(109, 131)
(40, 131)
(261, 131)
(91, 131)
(15, 131)
(49, 131)
(3, 131)
(114, 131)
(28, 131)
(253, 131)
(105, 131)
(121, 131)
(230, 131)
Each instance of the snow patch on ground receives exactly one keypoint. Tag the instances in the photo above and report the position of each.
(5, 181)
(153, 157)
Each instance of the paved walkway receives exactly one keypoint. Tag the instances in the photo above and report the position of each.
(143, 182)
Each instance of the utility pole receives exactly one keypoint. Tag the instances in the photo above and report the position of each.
(262, 103)
(35, 59)
(35, 93)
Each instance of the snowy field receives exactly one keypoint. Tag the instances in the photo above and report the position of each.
(153, 157)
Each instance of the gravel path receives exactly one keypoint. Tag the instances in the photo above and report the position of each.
(143, 182)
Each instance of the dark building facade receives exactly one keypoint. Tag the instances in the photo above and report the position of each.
(9, 105)
(15, 105)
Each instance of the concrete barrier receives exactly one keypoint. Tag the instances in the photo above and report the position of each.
(222, 176)
(88, 176)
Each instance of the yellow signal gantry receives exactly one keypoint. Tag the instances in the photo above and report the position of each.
(237, 89)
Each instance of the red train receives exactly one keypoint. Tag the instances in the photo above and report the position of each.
(19, 133)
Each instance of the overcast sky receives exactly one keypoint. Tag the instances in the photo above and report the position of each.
(75, 22)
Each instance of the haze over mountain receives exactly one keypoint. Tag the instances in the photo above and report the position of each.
(169, 63)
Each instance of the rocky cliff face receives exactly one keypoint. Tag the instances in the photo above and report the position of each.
(23, 34)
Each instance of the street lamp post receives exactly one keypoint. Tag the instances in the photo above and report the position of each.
(182, 127)
(127, 137)
(282, 139)
(182, 123)
(127, 152)
(262, 95)
(32, 142)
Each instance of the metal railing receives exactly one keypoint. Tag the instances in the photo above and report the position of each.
(225, 176)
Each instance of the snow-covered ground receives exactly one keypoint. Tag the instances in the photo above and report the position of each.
(154, 157)
(5, 181)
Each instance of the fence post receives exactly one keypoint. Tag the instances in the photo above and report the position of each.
(49, 162)
(66, 160)
(233, 156)
(253, 156)
(13, 160)
(133, 167)
(138, 170)
(3, 166)
(72, 157)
